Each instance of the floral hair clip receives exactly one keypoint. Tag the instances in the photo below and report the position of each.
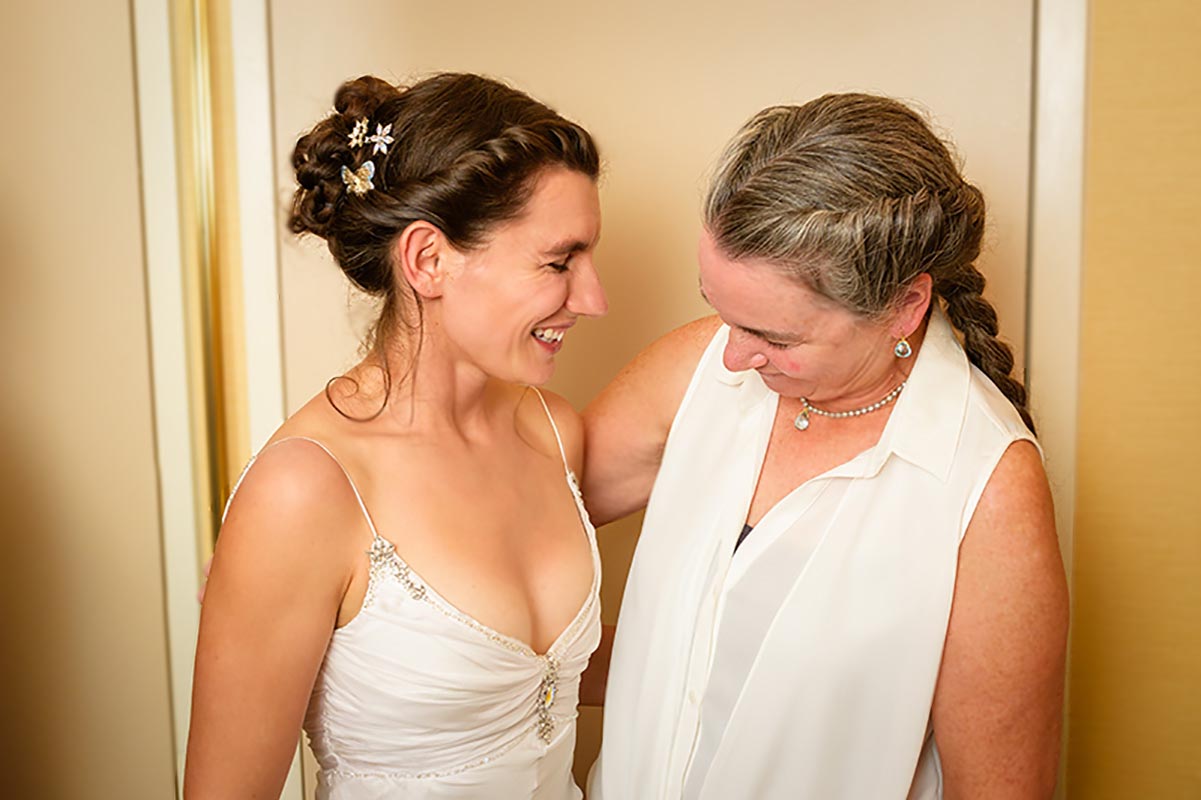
(358, 181)
(381, 138)
(359, 134)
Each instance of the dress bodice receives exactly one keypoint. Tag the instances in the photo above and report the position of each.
(417, 700)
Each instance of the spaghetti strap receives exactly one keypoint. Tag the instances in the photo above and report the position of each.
(553, 427)
(328, 452)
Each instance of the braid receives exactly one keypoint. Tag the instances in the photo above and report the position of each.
(855, 196)
(976, 319)
(495, 177)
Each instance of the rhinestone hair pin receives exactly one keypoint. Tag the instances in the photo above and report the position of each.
(381, 138)
(358, 135)
(358, 182)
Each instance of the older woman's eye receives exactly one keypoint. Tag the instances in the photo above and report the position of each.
(777, 345)
(558, 266)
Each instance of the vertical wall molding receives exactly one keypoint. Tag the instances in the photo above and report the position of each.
(1056, 256)
(212, 283)
(258, 206)
(173, 404)
(1056, 241)
(257, 255)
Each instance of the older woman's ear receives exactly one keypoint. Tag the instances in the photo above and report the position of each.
(912, 307)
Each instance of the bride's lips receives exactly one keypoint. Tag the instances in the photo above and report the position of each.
(550, 336)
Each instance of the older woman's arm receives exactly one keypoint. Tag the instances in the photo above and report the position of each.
(999, 701)
(626, 426)
(625, 429)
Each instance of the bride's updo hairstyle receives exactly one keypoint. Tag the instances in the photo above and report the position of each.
(460, 151)
(855, 196)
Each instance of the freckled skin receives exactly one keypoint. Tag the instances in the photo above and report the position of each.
(830, 356)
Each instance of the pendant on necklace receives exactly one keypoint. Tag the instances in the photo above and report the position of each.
(802, 419)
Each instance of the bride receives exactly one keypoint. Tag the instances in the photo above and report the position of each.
(406, 570)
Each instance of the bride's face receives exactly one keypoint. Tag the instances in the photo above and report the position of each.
(508, 305)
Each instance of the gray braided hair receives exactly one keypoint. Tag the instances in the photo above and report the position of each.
(855, 196)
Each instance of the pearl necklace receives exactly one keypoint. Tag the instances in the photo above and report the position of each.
(802, 419)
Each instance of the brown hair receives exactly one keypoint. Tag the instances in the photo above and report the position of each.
(855, 196)
(466, 153)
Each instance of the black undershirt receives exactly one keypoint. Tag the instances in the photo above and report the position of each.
(745, 530)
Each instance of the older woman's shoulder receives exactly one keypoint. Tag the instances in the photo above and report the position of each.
(692, 336)
(680, 349)
(659, 375)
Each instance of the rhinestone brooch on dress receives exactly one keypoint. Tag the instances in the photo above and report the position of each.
(546, 698)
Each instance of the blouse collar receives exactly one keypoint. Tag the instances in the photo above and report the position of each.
(926, 424)
(925, 427)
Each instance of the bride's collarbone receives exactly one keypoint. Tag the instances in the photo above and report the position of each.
(497, 527)
(503, 543)
(476, 491)
(523, 577)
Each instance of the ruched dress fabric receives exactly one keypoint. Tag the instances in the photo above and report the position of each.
(417, 700)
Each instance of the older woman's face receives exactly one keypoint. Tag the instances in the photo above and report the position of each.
(802, 344)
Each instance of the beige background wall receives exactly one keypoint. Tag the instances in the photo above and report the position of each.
(83, 671)
(1136, 658)
(662, 87)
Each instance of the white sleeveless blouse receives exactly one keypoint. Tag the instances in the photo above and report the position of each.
(417, 700)
(803, 664)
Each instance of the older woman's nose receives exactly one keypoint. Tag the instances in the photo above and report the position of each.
(742, 352)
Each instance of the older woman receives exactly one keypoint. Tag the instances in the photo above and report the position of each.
(406, 568)
(848, 583)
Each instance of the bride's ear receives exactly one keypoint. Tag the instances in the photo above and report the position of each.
(421, 255)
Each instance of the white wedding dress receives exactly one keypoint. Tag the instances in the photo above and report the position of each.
(417, 700)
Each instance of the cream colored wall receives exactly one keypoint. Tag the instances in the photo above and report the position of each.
(662, 87)
(1135, 708)
(662, 90)
(84, 673)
